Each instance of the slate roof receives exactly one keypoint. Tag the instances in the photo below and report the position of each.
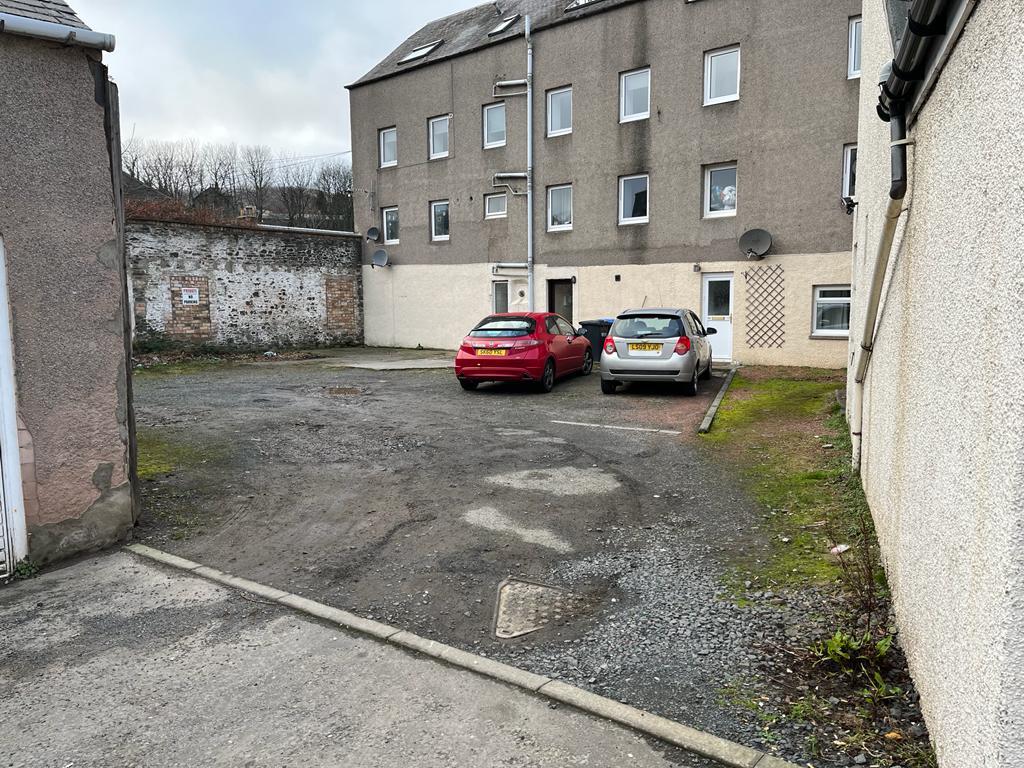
(56, 11)
(467, 30)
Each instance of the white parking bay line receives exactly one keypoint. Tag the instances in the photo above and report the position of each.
(624, 429)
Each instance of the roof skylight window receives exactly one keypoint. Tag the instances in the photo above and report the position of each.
(575, 4)
(418, 53)
(507, 22)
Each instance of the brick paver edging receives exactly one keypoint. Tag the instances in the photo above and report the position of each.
(720, 750)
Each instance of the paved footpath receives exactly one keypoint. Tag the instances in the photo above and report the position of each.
(115, 661)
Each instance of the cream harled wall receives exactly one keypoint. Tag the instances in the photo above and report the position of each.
(435, 305)
(943, 450)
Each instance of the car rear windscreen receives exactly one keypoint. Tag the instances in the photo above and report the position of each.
(648, 327)
(503, 327)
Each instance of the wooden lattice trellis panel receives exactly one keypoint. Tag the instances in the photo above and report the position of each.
(766, 306)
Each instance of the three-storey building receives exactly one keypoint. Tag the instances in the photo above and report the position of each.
(663, 130)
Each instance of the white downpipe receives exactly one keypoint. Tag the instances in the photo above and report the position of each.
(10, 454)
(892, 216)
(529, 165)
(58, 33)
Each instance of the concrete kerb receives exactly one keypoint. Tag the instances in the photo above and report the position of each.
(709, 417)
(720, 750)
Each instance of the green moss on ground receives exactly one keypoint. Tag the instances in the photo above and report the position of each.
(181, 367)
(159, 455)
(799, 472)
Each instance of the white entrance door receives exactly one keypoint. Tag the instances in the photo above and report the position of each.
(716, 305)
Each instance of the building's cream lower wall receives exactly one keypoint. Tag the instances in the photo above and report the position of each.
(943, 445)
(435, 305)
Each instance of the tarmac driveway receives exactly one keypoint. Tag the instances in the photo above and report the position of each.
(398, 496)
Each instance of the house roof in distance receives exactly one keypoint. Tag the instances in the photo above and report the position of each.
(53, 11)
(475, 28)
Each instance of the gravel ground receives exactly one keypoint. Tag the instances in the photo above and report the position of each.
(356, 487)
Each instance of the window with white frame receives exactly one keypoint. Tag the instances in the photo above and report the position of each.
(560, 111)
(853, 53)
(389, 220)
(388, 147)
(439, 136)
(419, 52)
(720, 190)
(496, 206)
(633, 199)
(831, 310)
(635, 95)
(439, 224)
(721, 76)
(560, 208)
(499, 293)
(850, 170)
(494, 126)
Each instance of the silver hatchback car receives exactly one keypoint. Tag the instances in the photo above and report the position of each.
(656, 345)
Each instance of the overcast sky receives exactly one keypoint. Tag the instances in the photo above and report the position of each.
(250, 71)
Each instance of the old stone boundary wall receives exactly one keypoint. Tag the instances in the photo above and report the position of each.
(226, 286)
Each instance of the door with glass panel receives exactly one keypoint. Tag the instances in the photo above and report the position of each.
(717, 313)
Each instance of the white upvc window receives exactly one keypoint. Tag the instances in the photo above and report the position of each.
(560, 111)
(388, 146)
(853, 49)
(438, 130)
(635, 95)
(721, 76)
(439, 221)
(720, 190)
(850, 170)
(499, 296)
(831, 311)
(633, 199)
(389, 222)
(560, 208)
(496, 206)
(494, 126)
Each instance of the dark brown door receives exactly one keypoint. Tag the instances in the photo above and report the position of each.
(560, 298)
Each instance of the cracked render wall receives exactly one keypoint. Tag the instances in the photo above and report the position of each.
(943, 451)
(232, 286)
(65, 274)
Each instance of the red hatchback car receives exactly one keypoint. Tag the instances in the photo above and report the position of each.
(522, 346)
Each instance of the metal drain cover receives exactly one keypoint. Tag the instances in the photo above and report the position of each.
(343, 391)
(526, 606)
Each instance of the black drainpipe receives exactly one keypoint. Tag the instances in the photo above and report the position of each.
(926, 21)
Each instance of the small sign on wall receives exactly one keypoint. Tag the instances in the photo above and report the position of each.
(189, 297)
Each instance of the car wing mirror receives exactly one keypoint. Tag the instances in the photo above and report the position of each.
(711, 331)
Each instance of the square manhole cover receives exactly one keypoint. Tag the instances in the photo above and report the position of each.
(526, 606)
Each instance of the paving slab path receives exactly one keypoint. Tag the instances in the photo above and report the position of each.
(115, 662)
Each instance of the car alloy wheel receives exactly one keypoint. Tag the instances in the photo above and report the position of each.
(547, 379)
(588, 363)
(690, 387)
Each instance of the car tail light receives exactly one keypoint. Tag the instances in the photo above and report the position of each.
(467, 344)
(609, 345)
(526, 343)
(683, 345)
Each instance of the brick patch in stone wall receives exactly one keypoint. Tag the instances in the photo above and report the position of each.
(342, 304)
(189, 322)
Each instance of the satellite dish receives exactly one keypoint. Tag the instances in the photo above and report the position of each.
(755, 243)
(372, 235)
(380, 259)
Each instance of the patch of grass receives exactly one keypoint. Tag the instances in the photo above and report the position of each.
(160, 456)
(25, 569)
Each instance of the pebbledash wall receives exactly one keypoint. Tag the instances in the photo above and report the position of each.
(227, 286)
(943, 430)
(61, 248)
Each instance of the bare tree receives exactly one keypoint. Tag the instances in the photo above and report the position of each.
(221, 163)
(334, 196)
(192, 172)
(296, 181)
(258, 172)
(159, 167)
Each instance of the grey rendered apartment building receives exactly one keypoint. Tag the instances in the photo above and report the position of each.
(663, 131)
